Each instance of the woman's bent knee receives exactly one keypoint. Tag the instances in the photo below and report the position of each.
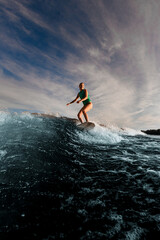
(79, 114)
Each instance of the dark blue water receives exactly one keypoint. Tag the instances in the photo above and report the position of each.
(57, 182)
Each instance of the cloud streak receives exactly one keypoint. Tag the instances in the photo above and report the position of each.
(113, 46)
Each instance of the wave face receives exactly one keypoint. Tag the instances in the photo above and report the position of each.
(58, 182)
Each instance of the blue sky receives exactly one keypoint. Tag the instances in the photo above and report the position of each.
(48, 47)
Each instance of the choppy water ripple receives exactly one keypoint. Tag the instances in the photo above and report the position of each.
(57, 182)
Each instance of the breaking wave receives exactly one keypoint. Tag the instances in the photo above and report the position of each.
(59, 182)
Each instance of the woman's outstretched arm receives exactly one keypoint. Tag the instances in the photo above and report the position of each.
(73, 100)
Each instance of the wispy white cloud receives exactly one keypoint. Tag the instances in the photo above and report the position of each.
(21, 8)
(112, 46)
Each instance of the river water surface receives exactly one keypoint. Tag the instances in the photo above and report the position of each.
(58, 182)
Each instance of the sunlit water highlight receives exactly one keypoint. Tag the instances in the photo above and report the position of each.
(57, 182)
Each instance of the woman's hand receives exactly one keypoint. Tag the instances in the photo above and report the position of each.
(78, 101)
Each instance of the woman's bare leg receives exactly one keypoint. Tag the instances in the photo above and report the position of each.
(86, 116)
(79, 116)
(86, 108)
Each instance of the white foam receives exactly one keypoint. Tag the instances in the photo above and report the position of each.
(26, 115)
(130, 132)
(100, 135)
(118, 220)
(4, 117)
(2, 153)
(157, 173)
(148, 188)
(134, 234)
(82, 212)
(96, 202)
(7, 117)
(122, 131)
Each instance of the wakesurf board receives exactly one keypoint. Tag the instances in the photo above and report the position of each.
(86, 126)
